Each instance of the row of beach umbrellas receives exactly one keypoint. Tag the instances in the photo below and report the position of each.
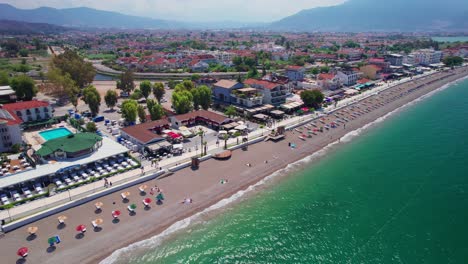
(32, 230)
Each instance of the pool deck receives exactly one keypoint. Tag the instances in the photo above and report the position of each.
(36, 140)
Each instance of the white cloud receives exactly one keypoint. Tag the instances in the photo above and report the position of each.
(190, 10)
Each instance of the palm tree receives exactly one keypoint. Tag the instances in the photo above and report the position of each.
(200, 133)
(237, 135)
(225, 137)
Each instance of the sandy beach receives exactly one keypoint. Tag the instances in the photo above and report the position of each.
(202, 185)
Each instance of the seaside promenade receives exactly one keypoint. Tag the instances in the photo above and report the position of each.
(203, 185)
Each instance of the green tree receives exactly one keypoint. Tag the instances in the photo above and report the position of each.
(24, 87)
(81, 72)
(23, 52)
(137, 94)
(315, 71)
(141, 113)
(92, 98)
(172, 84)
(158, 91)
(201, 97)
(230, 111)
(186, 85)
(155, 109)
(253, 73)
(61, 85)
(4, 79)
(145, 88)
(182, 101)
(111, 98)
(130, 110)
(91, 127)
(452, 61)
(312, 98)
(126, 82)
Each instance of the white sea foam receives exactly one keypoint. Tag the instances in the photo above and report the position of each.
(156, 240)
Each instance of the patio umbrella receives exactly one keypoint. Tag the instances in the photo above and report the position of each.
(32, 229)
(52, 240)
(160, 196)
(81, 228)
(126, 193)
(133, 206)
(62, 218)
(143, 187)
(116, 213)
(99, 205)
(22, 252)
(98, 221)
(147, 200)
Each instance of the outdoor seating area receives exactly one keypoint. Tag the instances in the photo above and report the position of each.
(14, 166)
(68, 177)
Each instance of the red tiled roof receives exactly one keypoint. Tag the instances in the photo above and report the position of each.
(294, 68)
(262, 83)
(326, 76)
(14, 120)
(143, 133)
(363, 80)
(202, 113)
(25, 105)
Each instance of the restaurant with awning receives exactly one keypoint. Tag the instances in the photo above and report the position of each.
(277, 114)
(158, 148)
(292, 106)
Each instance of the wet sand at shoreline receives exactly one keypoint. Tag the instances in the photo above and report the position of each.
(202, 185)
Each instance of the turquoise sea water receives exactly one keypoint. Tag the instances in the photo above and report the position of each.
(55, 133)
(396, 194)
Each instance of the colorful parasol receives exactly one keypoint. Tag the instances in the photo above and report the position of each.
(81, 228)
(160, 196)
(98, 221)
(99, 205)
(133, 206)
(32, 229)
(116, 213)
(22, 252)
(147, 200)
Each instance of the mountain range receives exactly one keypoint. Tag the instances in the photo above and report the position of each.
(351, 16)
(381, 15)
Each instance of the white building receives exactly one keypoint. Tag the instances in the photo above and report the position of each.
(10, 132)
(427, 56)
(348, 78)
(30, 110)
(274, 93)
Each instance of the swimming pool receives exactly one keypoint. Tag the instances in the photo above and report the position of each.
(55, 133)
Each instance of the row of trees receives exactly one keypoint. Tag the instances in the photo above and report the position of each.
(187, 97)
(312, 98)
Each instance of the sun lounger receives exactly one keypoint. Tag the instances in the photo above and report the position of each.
(130, 208)
(94, 224)
(123, 196)
(145, 203)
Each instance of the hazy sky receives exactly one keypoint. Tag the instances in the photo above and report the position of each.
(189, 10)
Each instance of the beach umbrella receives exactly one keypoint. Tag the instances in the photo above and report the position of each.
(143, 187)
(160, 196)
(81, 228)
(133, 206)
(98, 205)
(32, 230)
(126, 194)
(116, 213)
(52, 240)
(62, 218)
(147, 200)
(22, 252)
(98, 221)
